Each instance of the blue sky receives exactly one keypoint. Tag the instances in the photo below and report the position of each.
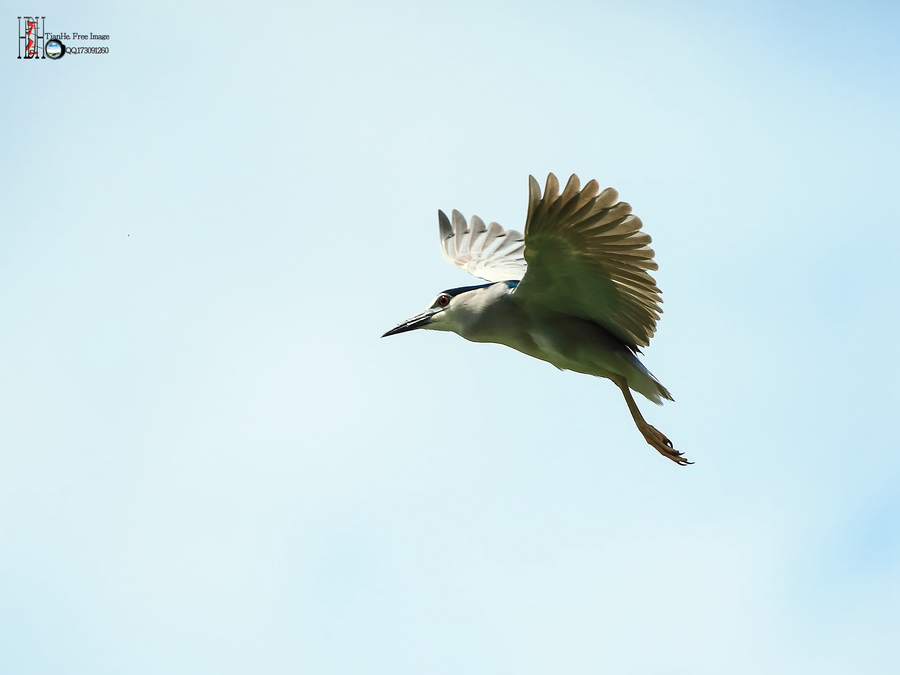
(210, 462)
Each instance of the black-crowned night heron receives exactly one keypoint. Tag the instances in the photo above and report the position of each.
(573, 291)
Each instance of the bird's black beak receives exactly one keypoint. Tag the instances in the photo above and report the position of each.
(417, 321)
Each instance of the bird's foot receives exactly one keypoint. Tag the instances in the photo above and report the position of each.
(663, 445)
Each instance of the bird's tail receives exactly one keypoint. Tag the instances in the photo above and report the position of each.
(644, 382)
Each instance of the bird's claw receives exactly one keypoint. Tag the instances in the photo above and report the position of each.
(663, 445)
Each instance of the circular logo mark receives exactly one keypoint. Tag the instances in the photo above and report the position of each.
(54, 49)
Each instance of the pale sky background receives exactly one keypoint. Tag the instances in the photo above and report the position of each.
(210, 462)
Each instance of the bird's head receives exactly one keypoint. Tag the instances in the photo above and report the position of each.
(454, 309)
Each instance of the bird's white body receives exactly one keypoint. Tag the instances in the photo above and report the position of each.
(491, 314)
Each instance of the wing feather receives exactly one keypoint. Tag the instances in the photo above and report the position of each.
(587, 256)
(487, 251)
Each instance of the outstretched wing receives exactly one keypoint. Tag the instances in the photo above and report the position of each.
(587, 257)
(491, 253)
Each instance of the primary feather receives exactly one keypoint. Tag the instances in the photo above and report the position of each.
(587, 257)
(490, 253)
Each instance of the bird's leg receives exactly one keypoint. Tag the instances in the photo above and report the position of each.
(650, 433)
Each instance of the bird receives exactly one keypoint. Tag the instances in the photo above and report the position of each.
(574, 290)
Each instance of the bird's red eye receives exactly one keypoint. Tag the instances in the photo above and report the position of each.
(444, 300)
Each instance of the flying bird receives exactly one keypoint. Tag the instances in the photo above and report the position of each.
(574, 290)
